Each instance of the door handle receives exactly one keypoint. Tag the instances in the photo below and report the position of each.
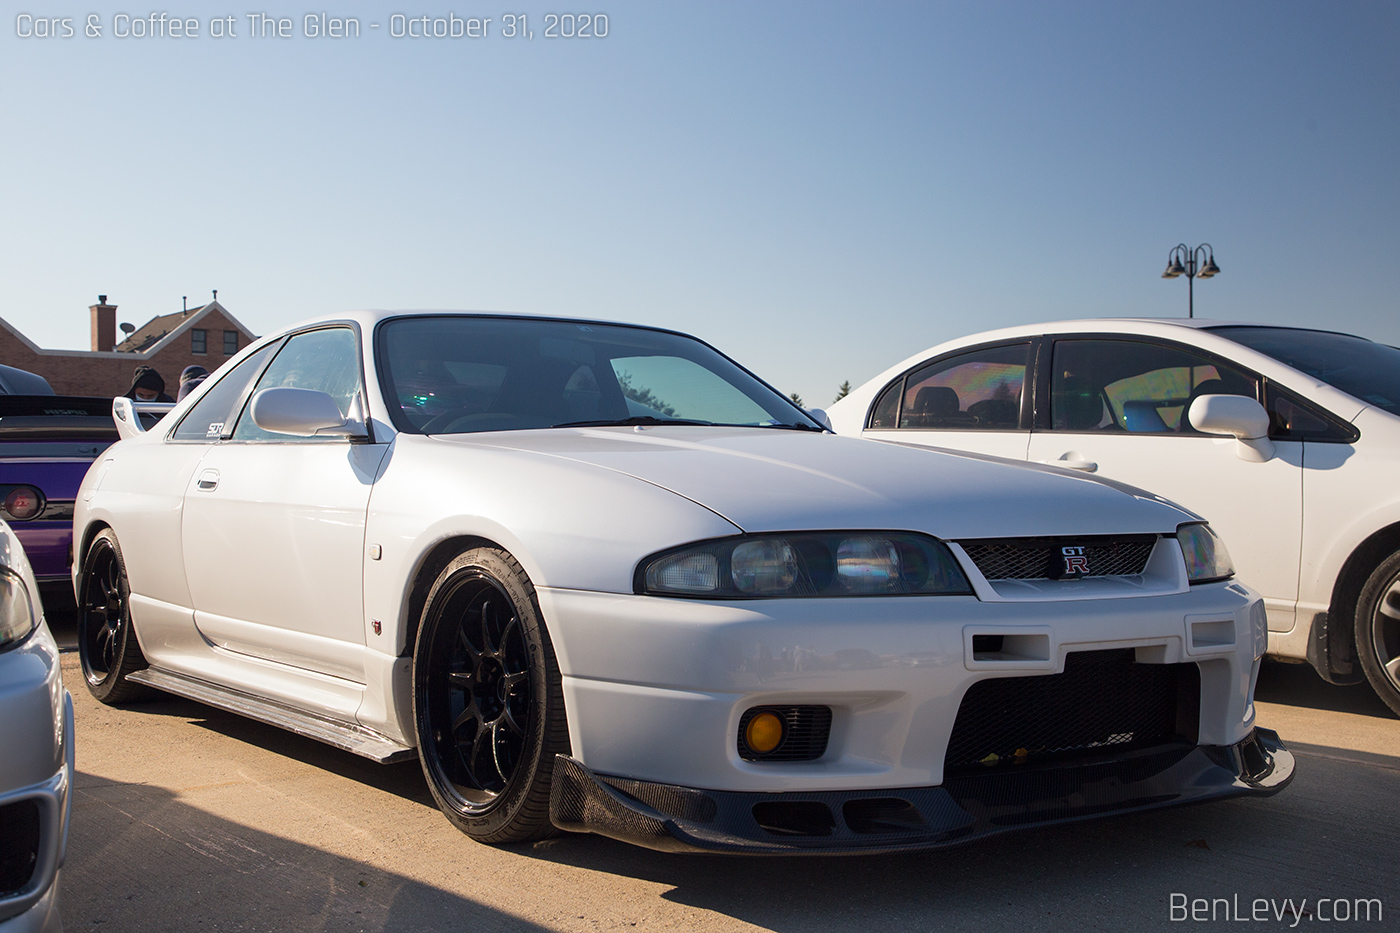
(208, 480)
(1074, 460)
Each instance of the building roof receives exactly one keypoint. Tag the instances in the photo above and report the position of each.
(165, 326)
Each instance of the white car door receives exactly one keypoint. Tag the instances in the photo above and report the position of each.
(1116, 408)
(273, 533)
(971, 400)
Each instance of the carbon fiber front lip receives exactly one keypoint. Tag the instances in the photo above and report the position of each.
(965, 808)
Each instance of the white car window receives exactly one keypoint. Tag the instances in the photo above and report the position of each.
(326, 360)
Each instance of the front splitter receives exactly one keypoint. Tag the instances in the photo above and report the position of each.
(964, 808)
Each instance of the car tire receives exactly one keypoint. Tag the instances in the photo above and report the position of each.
(1378, 630)
(488, 700)
(107, 644)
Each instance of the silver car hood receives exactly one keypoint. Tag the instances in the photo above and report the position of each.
(782, 480)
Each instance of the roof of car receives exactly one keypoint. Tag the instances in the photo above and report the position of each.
(367, 318)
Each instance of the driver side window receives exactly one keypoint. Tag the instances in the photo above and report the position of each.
(327, 360)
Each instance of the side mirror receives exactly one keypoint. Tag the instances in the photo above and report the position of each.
(302, 412)
(820, 416)
(1239, 417)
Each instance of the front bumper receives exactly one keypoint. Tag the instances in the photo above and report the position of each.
(36, 782)
(965, 808)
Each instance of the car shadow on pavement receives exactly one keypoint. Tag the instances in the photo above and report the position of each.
(1300, 685)
(140, 859)
(403, 779)
(1117, 873)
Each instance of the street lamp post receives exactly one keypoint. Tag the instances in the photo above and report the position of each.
(1185, 261)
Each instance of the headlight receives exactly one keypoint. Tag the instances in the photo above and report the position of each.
(1206, 556)
(805, 564)
(16, 612)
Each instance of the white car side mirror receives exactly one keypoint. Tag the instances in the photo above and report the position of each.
(302, 412)
(1238, 416)
(820, 416)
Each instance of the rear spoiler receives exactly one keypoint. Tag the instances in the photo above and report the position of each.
(134, 418)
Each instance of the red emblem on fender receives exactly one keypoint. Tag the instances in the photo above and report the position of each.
(377, 626)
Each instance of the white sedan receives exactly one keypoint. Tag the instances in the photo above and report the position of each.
(36, 735)
(601, 578)
(1287, 438)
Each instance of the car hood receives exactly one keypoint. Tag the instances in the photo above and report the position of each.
(780, 480)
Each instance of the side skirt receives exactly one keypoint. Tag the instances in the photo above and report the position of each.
(351, 737)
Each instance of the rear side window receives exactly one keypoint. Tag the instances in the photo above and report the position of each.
(212, 415)
(979, 390)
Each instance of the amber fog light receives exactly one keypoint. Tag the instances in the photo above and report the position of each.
(23, 503)
(784, 733)
(764, 733)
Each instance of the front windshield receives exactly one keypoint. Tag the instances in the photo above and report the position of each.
(457, 375)
(1370, 371)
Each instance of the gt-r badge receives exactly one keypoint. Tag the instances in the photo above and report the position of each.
(1076, 561)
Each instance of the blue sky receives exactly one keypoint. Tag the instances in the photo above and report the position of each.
(818, 189)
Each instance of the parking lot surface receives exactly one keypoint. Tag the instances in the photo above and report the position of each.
(187, 818)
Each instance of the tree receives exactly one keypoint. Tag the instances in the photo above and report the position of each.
(843, 391)
(643, 396)
(797, 400)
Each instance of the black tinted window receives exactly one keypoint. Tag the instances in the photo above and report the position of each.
(1367, 370)
(455, 375)
(975, 391)
(1136, 386)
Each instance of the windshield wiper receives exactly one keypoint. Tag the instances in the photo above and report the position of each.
(636, 419)
(794, 427)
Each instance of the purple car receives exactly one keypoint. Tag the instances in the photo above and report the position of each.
(47, 443)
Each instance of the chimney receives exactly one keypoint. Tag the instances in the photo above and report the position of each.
(104, 324)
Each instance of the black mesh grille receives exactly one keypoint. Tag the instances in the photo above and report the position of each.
(805, 731)
(1103, 700)
(19, 845)
(1045, 558)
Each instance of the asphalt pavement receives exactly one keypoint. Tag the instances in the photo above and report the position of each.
(187, 818)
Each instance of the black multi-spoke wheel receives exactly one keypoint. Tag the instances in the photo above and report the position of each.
(488, 703)
(1378, 630)
(107, 645)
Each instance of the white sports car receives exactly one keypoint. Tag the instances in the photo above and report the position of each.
(601, 578)
(36, 735)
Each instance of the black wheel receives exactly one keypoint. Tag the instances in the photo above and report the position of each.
(1378, 631)
(107, 644)
(488, 704)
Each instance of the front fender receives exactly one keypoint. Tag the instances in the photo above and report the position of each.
(570, 525)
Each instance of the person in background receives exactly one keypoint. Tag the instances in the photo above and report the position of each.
(190, 378)
(147, 386)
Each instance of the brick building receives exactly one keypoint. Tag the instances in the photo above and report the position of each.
(207, 336)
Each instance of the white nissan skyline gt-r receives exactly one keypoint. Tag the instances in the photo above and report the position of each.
(600, 578)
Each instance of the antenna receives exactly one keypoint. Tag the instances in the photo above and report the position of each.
(184, 304)
(128, 328)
